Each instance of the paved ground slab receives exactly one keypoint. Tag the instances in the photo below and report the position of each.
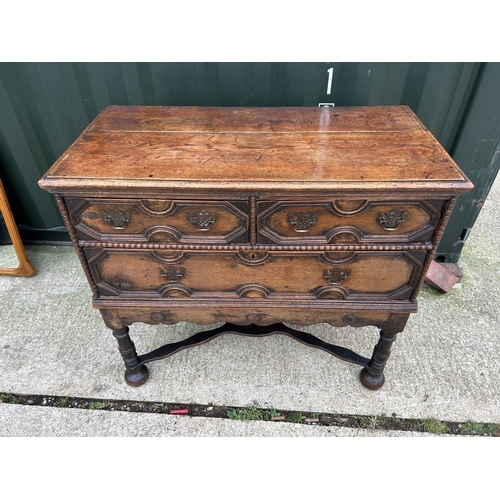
(444, 365)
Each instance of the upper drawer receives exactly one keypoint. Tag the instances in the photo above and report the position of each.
(173, 221)
(346, 221)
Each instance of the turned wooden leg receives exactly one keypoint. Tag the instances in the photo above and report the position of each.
(135, 374)
(372, 376)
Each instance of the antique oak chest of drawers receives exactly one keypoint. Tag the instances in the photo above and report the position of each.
(256, 217)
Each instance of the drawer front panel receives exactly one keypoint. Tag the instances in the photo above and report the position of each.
(170, 221)
(247, 275)
(346, 221)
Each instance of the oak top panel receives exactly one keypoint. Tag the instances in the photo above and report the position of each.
(266, 148)
(215, 120)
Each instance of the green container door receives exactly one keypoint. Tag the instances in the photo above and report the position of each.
(45, 106)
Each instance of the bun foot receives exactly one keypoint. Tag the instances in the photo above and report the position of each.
(371, 382)
(135, 379)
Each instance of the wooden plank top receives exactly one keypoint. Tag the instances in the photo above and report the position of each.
(297, 148)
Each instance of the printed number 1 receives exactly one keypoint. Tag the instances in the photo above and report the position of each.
(330, 80)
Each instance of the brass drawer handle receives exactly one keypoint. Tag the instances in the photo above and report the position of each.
(336, 276)
(392, 219)
(202, 221)
(116, 218)
(302, 221)
(172, 273)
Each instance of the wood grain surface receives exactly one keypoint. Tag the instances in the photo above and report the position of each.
(330, 224)
(268, 148)
(171, 220)
(254, 275)
(25, 267)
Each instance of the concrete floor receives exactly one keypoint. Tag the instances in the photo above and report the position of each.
(444, 365)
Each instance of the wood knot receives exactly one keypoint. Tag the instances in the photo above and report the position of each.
(350, 319)
(157, 316)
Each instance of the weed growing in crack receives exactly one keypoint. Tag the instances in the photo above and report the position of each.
(493, 429)
(368, 422)
(435, 426)
(296, 418)
(252, 413)
(474, 428)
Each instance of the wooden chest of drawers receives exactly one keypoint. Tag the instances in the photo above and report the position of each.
(255, 217)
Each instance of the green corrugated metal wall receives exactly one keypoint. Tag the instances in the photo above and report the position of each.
(44, 107)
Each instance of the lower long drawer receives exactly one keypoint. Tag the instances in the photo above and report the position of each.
(252, 274)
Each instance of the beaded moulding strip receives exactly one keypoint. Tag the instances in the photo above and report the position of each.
(236, 247)
(74, 238)
(436, 239)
